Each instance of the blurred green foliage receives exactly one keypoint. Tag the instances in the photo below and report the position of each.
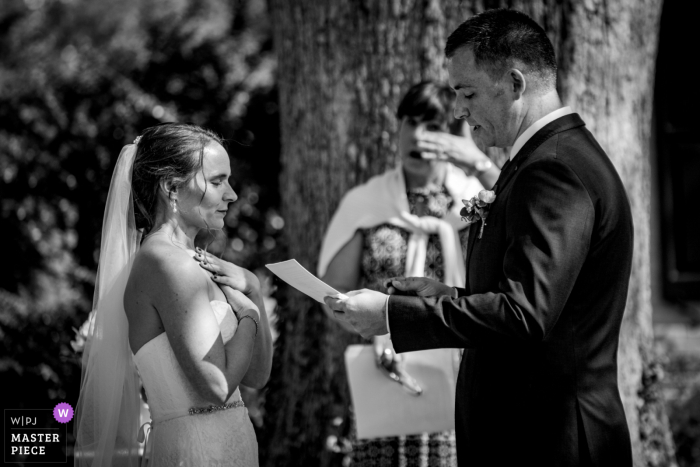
(681, 386)
(78, 80)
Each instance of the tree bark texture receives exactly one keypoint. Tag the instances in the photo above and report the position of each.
(343, 66)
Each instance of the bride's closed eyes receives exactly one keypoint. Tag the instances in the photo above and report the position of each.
(218, 181)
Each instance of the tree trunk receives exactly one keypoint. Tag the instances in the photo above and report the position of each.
(343, 66)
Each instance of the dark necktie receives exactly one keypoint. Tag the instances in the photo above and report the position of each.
(503, 170)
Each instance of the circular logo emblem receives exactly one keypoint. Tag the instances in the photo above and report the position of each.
(63, 413)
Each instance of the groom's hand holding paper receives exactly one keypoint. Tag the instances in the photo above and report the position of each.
(365, 310)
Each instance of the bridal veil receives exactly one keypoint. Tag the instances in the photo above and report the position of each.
(107, 413)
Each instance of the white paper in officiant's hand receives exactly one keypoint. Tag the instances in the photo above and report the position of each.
(298, 277)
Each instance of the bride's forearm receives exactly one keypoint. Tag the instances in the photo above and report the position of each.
(239, 354)
(261, 362)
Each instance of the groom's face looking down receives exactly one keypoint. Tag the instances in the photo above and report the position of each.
(502, 67)
(491, 106)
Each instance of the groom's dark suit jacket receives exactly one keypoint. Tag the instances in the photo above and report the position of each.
(541, 311)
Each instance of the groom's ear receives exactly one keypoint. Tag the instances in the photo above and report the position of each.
(516, 83)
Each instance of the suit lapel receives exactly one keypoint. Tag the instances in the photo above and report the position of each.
(510, 168)
(505, 175)
(471, 240)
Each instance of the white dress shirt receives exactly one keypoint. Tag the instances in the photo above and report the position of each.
(535, 127)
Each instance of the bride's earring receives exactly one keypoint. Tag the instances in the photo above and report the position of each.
(174, 205)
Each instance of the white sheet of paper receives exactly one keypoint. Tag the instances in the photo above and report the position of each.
(298, 277)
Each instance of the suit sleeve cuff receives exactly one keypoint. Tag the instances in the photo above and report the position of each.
(386, 313)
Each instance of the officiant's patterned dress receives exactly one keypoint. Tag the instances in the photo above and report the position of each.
(384, 256)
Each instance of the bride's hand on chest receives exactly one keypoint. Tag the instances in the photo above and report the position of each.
(228, 274)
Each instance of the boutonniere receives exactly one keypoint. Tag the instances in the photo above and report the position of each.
(477, 208)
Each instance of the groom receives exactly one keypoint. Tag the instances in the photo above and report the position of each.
(547, 278)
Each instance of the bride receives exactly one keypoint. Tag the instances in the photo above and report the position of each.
(192, 335)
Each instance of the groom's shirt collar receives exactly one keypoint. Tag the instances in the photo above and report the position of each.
(535, 127)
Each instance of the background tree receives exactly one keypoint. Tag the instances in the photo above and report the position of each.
(343, 66)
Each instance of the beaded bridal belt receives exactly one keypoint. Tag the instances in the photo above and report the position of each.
(142, 436)
(214, 408)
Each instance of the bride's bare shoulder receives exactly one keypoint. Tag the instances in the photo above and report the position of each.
(161, 264)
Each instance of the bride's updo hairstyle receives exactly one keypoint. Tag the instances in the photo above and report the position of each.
(170, 151)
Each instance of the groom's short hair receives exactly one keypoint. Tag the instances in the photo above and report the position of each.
(503, 38)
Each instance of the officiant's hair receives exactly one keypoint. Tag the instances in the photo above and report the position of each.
(169, 151)
(502, 38)
(430, 101)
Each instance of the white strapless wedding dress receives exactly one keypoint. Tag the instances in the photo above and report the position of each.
(218, 437)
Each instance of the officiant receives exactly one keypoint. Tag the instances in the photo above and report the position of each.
(406, 222)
